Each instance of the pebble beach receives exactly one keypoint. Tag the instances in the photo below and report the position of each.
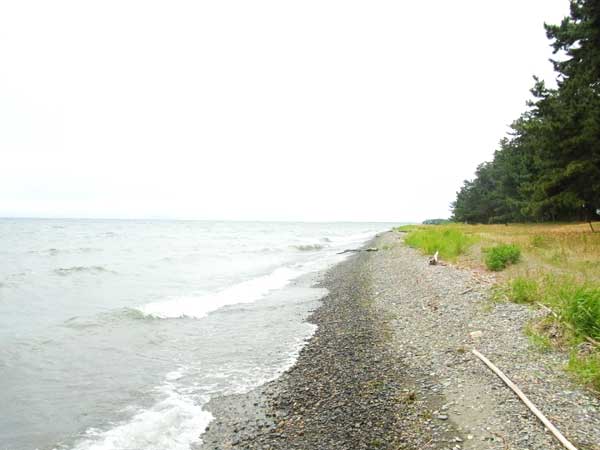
(390, 367)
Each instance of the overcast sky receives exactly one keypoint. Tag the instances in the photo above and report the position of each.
(258, 110)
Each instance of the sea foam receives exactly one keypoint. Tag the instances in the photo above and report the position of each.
(197, 307)
(174, 423)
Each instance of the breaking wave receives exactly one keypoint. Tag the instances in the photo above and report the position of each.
(174, 423)
(196, 307)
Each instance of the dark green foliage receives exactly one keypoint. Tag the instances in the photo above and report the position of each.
(500, 256)
(436, 222)
(549, 167)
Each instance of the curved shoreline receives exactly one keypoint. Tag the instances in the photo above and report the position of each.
(388, 369)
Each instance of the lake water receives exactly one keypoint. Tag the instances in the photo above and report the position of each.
(114, 334)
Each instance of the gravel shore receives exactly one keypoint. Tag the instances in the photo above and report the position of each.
(390, 367)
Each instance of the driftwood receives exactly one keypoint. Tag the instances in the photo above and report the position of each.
(349, 250)
(433, 261)
(563, 440)
(356, 250)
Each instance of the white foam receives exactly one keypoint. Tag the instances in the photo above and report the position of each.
(199, 306)
(174, 423)
(175, 374)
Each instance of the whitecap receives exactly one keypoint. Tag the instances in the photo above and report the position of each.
(174, 423)
(197, 307)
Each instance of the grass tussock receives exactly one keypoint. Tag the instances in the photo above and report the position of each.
(575, 304)
(502, 255)
(586, 369)
(580, 308)
(524, 290)
(449, 241)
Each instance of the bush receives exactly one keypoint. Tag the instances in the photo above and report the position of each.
(497, 258)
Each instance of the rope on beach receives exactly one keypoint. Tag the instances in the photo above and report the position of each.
(563, 440)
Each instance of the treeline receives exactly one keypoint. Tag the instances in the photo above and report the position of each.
(548, 168)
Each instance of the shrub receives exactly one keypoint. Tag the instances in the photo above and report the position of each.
(500, 256)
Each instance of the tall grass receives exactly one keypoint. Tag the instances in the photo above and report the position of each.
(576, 304)
(580, 308)
(524, 290)
(449, 241)
(406, 228)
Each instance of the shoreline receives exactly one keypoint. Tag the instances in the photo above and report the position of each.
(388, 368)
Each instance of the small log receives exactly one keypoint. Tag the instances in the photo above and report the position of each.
(349, 250)
(433, 261)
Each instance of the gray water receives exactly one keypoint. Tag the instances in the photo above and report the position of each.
(114, 334)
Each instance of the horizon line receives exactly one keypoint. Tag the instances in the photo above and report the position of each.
(2, 217)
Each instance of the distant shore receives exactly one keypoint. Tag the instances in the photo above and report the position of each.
(389, 368)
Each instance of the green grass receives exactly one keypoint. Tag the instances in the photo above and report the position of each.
(406, 228)
(448, 240)
(577, 304)
(580, 308)
(558, 268)
(524, 290)
(586, 369)
(539, 340)
(540, 241)
(500, 256)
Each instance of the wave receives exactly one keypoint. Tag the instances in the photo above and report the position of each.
(64, 271)
(308, 247)
(174, 423)
(88, 249)
(196, 307)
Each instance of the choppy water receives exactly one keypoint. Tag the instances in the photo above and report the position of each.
(114, 334)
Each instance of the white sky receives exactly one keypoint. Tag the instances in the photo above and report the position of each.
(258, 110)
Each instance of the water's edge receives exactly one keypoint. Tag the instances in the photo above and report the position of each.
(240, 416)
